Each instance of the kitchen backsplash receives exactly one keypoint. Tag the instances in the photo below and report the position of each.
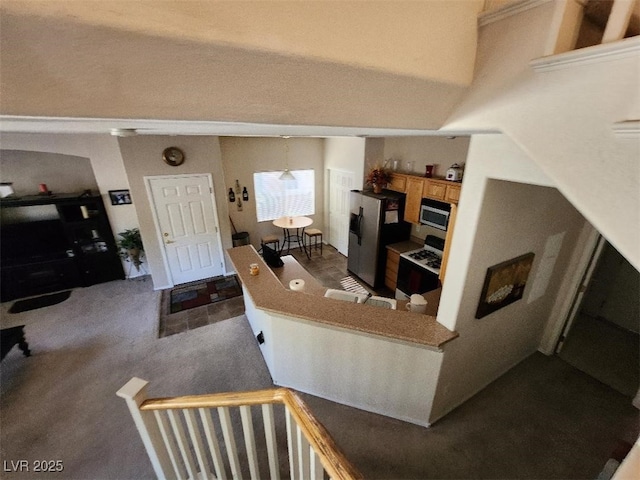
(419, 233)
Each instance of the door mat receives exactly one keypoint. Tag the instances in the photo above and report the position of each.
(204, 292)
(228, 303)
(39, 302)
(350, 284)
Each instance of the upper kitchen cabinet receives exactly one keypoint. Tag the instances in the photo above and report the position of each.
(418, 188)
(442, 190)
(434, 189)
(414, 189)
(398, 182)
(452, 195)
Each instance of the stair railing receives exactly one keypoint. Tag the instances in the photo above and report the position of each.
(180, 435)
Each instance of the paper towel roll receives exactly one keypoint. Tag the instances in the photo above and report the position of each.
(297, 285)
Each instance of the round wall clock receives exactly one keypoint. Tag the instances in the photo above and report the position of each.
(173, 156)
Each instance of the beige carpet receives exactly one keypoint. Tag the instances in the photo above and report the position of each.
(543, 419)
(606, 352)
(61, 402)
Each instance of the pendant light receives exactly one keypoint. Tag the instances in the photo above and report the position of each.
(286, 175)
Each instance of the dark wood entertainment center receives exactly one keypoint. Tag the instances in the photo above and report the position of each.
(77, 249)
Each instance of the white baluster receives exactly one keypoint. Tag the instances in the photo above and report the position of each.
(292, 445)
(212, 441)
(249, 440)
(183, 444)
(135, 392)
(317, 470)
(167, 437)
(303, 452)
(270, 436)
(196, 441)
(618, 21)
(229, 441)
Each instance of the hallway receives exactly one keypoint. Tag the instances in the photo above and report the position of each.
(605, 351)
(603, 341)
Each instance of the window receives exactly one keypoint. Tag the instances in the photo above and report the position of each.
(277, 198)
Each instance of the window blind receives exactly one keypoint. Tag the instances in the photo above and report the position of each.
(277, 198)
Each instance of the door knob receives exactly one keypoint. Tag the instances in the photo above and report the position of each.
(166, 240)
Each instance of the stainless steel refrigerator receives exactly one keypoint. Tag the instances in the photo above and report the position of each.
(376, 220)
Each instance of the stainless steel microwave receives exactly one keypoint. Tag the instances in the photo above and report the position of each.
(435, 214)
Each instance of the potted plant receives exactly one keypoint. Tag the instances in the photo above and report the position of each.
(378, 178)
(130, 245)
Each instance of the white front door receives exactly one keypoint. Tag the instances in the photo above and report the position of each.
(340, 184)
(185, 213)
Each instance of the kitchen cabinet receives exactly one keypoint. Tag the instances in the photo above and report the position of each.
(391, 273)
(442, 190)
(393, 260)
(452, 195)
(418, 188)
(398, 182)
(434, 189)
(413, 202)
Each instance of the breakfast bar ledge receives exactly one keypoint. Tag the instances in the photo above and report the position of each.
(379, 360)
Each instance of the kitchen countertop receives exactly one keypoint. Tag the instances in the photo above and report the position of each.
(405, 246)
(293, 270)
(268, 292)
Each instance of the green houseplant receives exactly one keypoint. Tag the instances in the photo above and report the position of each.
(131, 248)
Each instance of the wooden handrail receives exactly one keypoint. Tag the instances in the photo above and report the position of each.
(332, 459)
(214, 400)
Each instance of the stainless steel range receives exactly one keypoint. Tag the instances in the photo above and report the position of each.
(419, 269)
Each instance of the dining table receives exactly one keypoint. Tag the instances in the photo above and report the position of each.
(293, 231)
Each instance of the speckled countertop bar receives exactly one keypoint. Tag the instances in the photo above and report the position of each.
(268, 293)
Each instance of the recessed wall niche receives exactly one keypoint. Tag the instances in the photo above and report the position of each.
(61, 173)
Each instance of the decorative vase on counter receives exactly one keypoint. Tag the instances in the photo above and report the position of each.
(377, 188)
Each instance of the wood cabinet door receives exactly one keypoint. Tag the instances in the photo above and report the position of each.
(414, 199)
(398, 182)
(453, 193)
(391, 273)
(434, 190)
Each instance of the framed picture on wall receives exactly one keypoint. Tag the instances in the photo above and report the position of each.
(120, 197)
(504, 283)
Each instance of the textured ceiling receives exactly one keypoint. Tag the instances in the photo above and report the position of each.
(106, 60)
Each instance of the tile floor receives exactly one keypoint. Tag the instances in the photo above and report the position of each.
(172, 323)
(331, 267)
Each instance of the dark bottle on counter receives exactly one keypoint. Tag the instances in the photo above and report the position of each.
(245, 194)
(232, 196)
